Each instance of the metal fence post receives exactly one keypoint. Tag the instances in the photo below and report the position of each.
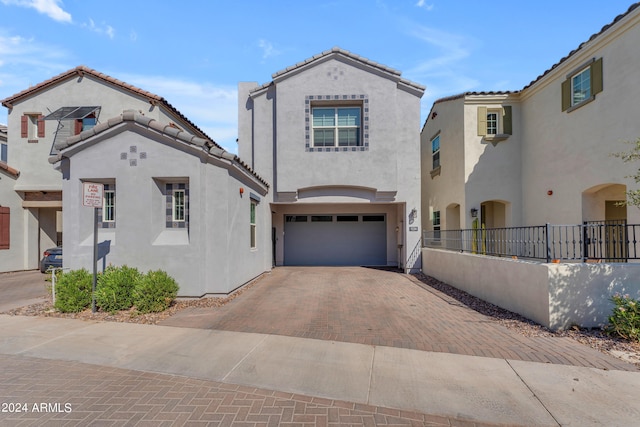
(548, 231)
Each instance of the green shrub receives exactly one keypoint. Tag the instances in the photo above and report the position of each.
(115, 288)
(154, 292)
(73, 291)
(625, 318)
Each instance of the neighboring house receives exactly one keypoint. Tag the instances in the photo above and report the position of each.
(337, 136)
(541, 154)
(38, 117)
(173, 201)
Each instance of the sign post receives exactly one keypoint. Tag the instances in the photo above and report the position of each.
(92, 195)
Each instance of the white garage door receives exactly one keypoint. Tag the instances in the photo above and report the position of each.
(346, 239)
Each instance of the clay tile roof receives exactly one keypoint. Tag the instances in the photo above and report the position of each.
(81, 70)
(165, 129)
(8, 169)
(582, 45)
(339, 51)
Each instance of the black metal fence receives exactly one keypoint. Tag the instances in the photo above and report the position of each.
(608, 241)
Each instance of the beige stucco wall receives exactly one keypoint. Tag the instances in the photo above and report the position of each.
(570, 152)
(447, 188)
(555, 295)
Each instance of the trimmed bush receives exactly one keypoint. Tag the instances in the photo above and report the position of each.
(73, 291)
(625, 318)
(115, 288)
(154, 292)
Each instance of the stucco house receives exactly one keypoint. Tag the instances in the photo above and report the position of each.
(40, 116)
(337, 137)
(541, 154)
(514, 161)
(176, 202)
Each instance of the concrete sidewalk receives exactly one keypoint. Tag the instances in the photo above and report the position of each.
(477, 389)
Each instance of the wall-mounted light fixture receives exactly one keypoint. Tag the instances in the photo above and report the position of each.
(474, 213)
(241, 191)
(550, 193)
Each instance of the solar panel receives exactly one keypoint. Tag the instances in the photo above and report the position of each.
(71, 113)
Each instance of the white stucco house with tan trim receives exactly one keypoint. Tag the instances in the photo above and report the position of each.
(536, 156)
(541, 154)
(337, 137)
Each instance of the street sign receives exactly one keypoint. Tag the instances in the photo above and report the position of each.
(92, 194)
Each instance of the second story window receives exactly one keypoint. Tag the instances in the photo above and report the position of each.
(32, 126)
(582, 85)
(336, 126)
(492, 123)
(435, 152)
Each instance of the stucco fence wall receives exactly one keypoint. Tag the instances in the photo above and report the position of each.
(555, 295)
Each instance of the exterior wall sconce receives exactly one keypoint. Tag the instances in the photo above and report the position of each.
(241, 191)
(474, 213)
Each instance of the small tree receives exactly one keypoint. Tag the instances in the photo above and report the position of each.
(633, 196)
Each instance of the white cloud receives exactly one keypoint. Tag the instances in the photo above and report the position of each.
(267, 49)
(422, 4)
(133, 36)
(51, 8)
(213, 108)
(102, 29)
(453, 48)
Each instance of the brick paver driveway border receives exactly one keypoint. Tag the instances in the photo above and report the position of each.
(52, 392)
(378, 307)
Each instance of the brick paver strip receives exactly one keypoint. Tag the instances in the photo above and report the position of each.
(368, 306)
(78, 394)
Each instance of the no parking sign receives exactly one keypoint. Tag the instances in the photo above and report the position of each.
(92, 194)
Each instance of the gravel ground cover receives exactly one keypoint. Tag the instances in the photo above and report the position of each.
(594, 338)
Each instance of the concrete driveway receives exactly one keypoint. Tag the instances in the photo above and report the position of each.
(22, 288)
(382, 308)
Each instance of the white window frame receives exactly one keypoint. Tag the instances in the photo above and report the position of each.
(584, 94)
(253, 213)
(176, 204)
(336, 127)
(494, 122)
(436, 225)
(106, 206)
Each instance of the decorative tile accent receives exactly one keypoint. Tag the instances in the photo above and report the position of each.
(364, 126)
(133, 150)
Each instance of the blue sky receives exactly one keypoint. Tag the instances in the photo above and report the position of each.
(194, 52)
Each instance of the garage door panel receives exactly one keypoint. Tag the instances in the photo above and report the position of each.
(335, 243)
